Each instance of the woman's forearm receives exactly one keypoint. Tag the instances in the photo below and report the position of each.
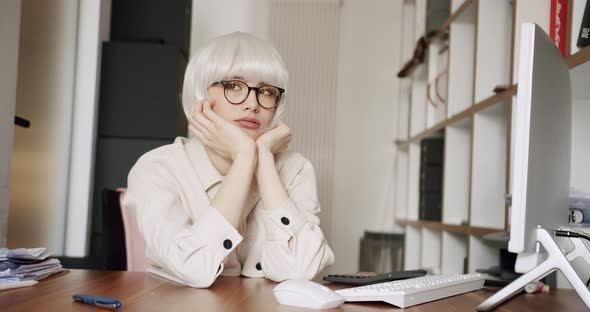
(233, 192)
(272, 190)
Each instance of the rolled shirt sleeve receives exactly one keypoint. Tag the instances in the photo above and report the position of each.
(190, 253)
(295, 220)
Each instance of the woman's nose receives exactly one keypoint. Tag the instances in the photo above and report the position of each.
(251, 102)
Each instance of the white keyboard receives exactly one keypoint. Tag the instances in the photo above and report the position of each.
(406, 293)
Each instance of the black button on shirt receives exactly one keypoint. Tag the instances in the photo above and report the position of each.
(227, 244)
(258, 266)
(285, 221)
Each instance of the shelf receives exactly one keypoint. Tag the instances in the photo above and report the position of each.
(451, 228)
(413, 256)
(404, 108)
(493, 47)
(460, 117)
(454, 252)
(481, 254)
(445, 26)
(579, 58)
(456, 185)
(418, 96)
(431, 246)
(413, 188)
(488, 176)
(437, 86)
(573, 61)
(440, 32)
(401, 189)
(462, 48)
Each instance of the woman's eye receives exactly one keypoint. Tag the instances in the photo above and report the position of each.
(263, 92)
(233, 86)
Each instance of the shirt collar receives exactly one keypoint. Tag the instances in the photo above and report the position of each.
(206, 172)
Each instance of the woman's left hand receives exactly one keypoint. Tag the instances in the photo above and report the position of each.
(275, 140)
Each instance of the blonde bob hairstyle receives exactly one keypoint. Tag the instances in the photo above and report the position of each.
(236, 54)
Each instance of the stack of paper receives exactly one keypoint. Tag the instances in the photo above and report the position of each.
(18, 265)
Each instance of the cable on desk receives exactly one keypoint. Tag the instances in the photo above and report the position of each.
(563, 233)
(573, 234)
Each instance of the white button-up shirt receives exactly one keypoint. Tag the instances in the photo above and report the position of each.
(189, 241)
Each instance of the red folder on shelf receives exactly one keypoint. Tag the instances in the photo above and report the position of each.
(558, 24)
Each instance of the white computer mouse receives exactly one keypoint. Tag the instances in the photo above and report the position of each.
(307, 294)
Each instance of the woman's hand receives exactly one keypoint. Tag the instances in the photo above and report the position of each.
(275, 140)
(218, 134)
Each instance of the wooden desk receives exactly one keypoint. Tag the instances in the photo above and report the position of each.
(147, 292)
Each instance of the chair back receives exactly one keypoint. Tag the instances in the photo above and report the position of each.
(134, 242)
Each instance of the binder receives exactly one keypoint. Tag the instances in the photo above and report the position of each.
(584, 35)
(431, 179)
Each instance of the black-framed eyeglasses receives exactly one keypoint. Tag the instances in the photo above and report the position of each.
(237, 91)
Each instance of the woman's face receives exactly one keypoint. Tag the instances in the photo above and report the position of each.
(249, 115)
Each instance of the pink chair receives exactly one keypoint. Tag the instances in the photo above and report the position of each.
(134, 243)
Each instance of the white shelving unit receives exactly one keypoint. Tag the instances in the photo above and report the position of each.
(481, 254)
(481, 56)
(461, 59)
(418, 104)
(413, 256)
(431, 246)
(436, 92)
(401, 190)
(488, 179)
(475, 123)
(454, 248)
(456, 183)
(492, 58)
(404, 109)
(413, 181)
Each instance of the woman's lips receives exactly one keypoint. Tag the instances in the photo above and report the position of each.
(248, 124)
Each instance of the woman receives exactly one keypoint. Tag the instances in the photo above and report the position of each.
(230, 199)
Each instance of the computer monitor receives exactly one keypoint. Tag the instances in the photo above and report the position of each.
(542, 144)
(541, 168)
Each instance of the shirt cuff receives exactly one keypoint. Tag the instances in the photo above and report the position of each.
(283, 222)
(216, 232)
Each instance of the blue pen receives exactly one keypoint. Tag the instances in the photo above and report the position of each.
(104, 302)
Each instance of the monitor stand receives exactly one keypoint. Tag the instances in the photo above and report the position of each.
(556, 260)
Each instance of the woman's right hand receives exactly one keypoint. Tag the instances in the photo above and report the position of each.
(218, 134)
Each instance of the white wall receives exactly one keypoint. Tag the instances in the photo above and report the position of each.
(211, 18)
(306, 33)
(365, 125)
(39, 179)
(9, 35)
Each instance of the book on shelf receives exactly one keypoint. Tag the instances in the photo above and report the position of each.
(557, 21)
(584, 35)
(431, 177)
(430, 206)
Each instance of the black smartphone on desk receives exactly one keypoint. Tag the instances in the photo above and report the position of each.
(368, 278)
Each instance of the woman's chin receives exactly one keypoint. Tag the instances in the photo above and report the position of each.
(254, 134)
